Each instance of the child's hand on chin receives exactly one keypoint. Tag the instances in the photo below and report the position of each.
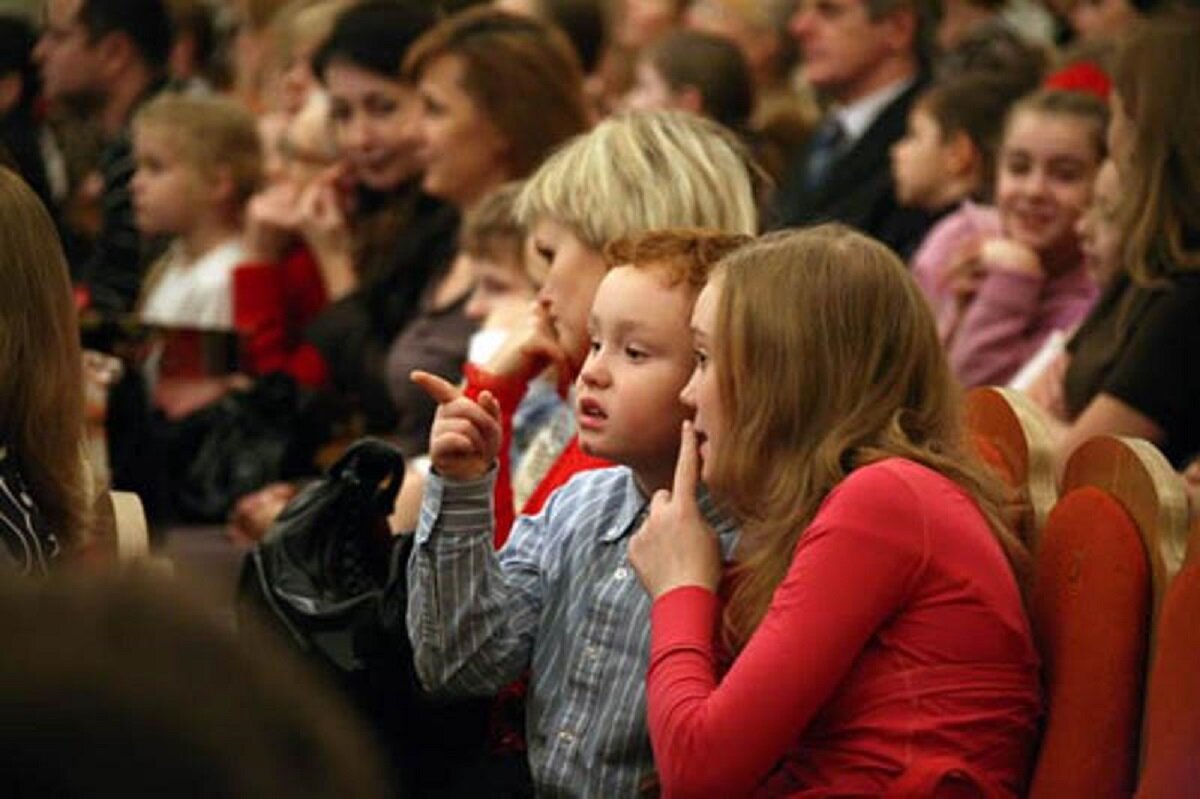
(532, 347)
(675, 546)
(1008, 255)
(466, 435)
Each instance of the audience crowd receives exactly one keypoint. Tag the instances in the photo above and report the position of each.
(670, 307)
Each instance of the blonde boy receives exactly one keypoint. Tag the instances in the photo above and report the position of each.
(560, 599)
(198, 161)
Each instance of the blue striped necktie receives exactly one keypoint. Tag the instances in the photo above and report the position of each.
(827, 143)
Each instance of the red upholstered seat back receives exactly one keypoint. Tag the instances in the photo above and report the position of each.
(1172, 765)
(1091, 606)
(1009, 436)
(990, 454)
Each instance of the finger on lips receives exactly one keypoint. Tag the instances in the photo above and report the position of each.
(686, 466)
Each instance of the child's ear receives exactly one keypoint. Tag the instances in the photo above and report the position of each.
(222, 188)
(116, 49)
(690, 99)
(962, 156)
(901, 27)
(11, 86)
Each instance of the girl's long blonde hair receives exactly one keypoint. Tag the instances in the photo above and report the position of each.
(827, 359)
(41, 378)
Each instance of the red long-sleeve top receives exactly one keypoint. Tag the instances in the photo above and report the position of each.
(272, 304)
(896, 639)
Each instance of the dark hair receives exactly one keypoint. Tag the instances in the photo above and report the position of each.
(118, 686)
(522, 73)
(586, 25)
(145, 22)
(375, 35)
(998, 50)
(976, 105)
(17, 40)
(195, 18)
(1082, 106)
(712, 65)
(926, 15)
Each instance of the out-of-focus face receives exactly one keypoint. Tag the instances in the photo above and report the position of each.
(463, 153)
(919, 166)
(69, 59)
(502, 286)
(628, 408)
(373, 120)
(1102, 20)
(1099, 234)
(646, 20)
(167, 188)
(702, 393)
(305, 146)
(650, 91)
(574, 273)
(296, 82)
(844, 50)
(743, 23)
(1046, 168)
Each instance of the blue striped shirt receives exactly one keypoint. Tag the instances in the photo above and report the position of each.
(560, 599)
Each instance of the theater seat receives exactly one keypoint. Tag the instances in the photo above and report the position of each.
(1171, 745)
(1009, 435)
(1101, 563)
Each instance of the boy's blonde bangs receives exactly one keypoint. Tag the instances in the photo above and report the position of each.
(644, 171)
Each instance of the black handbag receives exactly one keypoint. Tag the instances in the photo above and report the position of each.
(326, 558)
(330, 577)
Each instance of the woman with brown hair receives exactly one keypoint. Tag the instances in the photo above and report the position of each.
(1132, 365)
(44, 492)
(874, 586)
(498, 93)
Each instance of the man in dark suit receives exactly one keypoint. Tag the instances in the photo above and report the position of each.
(868, 59)
(102, 59)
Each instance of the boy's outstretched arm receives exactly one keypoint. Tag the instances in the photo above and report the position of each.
(470, 620)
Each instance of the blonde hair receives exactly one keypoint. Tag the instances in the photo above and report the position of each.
(643, 171)
(827, 359)
(1157, 76)
(211, 133)
(41, 374)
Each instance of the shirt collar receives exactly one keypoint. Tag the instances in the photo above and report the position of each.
(634, 507)
(856, 117)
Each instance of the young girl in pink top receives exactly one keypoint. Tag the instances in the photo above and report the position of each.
(1001, 279)
(879, 643)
